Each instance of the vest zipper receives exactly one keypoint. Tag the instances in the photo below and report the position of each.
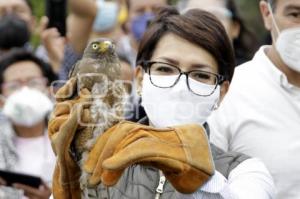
(160, 187)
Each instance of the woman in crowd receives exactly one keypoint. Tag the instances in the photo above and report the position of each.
(185, 63)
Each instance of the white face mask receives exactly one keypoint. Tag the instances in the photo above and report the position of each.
(27, 107)
(177, 105)
(288, 45)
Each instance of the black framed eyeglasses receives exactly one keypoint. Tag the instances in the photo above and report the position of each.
(199, 82)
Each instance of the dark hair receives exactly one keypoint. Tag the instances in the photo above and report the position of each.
(246, 43)
(18, 55)
(196, 26)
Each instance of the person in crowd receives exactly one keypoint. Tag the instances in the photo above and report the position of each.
(52, 45)
(18, 24)
(128, 21)
(108, 17)
(260, 114)
(24, 144)
(79, 28)
(185, 63)
(110, 22)
(244, 42)
(140, 13)
(101, 18)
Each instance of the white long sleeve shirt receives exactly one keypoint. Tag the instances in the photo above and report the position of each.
(260, 117)
(248, 180)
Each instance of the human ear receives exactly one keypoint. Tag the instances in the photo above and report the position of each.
(224, 90)
(266, 14)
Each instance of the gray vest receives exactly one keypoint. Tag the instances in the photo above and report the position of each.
(143, 182)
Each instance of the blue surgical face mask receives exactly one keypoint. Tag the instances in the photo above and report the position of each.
(107, 16)
(139, 25)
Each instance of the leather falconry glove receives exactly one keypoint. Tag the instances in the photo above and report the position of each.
(181, 152)
(63, 124)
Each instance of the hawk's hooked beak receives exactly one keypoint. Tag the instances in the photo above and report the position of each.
(105, 46)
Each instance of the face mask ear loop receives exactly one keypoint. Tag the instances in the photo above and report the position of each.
(216, 106)
(217, 102)
(273, 18)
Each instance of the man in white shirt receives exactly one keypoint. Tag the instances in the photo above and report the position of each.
(260, 114)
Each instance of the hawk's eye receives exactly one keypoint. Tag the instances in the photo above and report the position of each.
(95, 46)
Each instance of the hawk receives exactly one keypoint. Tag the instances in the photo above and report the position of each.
(99, 71)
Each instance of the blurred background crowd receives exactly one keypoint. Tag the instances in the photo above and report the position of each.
(34, 55)
(248, 10)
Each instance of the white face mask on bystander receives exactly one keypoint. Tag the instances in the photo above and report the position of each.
(27, 107)
(177, 105)
(288, 44)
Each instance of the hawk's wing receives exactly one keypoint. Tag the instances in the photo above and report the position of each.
(74, 69)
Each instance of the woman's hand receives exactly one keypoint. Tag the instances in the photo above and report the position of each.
(43, 192)
(63, 125)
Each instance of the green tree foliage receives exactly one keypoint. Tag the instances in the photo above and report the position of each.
(38, 7)
(38, 11)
